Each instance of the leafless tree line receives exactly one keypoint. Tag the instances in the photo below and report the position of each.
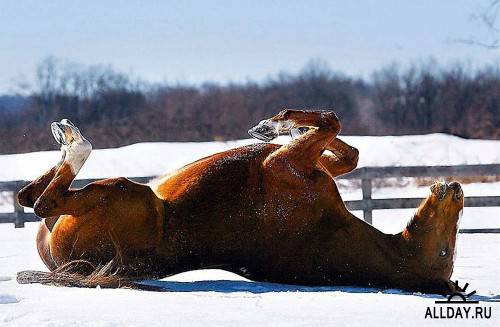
(114, 109)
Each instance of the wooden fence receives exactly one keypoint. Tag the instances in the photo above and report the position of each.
(367, 204)
(367, 174)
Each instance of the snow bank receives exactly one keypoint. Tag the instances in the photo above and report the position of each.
(153, 159)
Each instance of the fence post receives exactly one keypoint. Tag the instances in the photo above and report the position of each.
(366, 188)
(19, 212)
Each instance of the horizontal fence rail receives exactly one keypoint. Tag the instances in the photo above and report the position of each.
(367, 174)
(367, 204)
(424, 171)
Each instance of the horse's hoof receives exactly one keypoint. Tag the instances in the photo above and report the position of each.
(58, 133)
(65, 132)
(266, 130)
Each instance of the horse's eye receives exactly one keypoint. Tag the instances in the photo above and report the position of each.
(443, 252)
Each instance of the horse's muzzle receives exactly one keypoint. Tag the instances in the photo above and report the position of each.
(441, 189)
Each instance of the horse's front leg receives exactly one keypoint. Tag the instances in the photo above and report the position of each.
(303, 154)
(343, 160)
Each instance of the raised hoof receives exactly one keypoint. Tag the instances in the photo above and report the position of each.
(265, 131)
(65, 132)
(58, 133)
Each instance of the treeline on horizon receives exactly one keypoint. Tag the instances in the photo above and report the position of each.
(113, 109)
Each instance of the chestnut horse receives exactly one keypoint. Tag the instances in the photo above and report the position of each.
(268, 212)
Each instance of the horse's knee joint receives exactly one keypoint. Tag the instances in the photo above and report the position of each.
(330, 120)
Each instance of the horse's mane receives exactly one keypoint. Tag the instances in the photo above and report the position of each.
(410, 225)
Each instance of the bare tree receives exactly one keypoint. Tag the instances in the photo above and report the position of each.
(487, 17)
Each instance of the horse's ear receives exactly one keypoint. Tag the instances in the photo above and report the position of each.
(420, 218)
(433, 187)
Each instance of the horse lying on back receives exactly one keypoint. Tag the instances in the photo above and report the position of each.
(268, 212)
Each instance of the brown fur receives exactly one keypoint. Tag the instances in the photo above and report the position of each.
(271, 213)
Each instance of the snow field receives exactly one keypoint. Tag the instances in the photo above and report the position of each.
(219, 298)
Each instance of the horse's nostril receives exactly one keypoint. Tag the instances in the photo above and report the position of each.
(439, 189)
(457, 189)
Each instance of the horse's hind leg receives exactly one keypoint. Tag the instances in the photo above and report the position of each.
(28, 195)
(57, 199)
(42, 245)
(32, 193)
(106, 215)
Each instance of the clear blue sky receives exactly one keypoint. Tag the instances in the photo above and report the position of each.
(194, 41)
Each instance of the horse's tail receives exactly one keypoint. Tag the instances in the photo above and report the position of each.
(81, 273)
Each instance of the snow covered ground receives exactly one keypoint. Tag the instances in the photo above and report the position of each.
(218, 298)
(230, 300)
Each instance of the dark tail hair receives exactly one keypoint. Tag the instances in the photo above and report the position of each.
(72, 274)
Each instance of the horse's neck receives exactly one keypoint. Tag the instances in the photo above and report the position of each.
(390, 250)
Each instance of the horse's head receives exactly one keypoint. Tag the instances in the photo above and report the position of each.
(432, 233)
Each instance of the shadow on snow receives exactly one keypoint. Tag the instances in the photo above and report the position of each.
(232, 286)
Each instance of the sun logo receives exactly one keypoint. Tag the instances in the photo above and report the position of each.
(459, 297)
